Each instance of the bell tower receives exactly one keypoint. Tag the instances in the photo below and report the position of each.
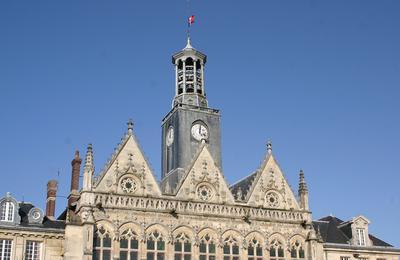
(190, 121)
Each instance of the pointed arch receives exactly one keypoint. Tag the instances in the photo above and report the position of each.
(156, 235)
(231, 244)
(255, 241)
(297, 247)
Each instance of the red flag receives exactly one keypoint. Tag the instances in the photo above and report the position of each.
(191, 19)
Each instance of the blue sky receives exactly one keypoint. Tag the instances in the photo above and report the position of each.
(319, 78)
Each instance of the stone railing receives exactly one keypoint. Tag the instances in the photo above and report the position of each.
(198, 208)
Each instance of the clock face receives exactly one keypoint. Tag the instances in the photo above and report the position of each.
(199, 132)
(170, 136)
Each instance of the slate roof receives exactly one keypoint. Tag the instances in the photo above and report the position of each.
(244, 184)
(335, 230)
(25, 207)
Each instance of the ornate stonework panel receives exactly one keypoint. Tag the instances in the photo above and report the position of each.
(271, 189)
(204, 181)
(128, 172)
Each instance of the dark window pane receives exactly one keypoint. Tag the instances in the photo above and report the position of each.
(203, 248)
(259, 251)
(134, 256)
(150, 244)
(227, 258)
(301, 253)
(212, 258)
(250, 251)
(227, 249)
(161, 245)
(123, 243)
(235, 258)
(188, 247)
(177, 257)
(293, 253)
(235, 250)
(186, 257)
(134, 244)
(211, 248)
(106, 255)
(97, 241)
(123, 255)
(203, 257)
(280, 252)
(150, 256)
(178, 247)
(160, 256)
(272, 252)
(106, 241)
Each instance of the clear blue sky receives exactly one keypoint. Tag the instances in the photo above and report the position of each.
(319, 78)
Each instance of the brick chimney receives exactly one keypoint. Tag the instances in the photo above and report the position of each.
(76, 168)
(51, 198)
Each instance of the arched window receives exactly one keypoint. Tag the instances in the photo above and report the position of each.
(7, 211)
(189, 71)
(207, 248)
(102, 245)
(297, 251)
(180, 77)
(276, 251)
(255, 251)
(155, 246)
(129, 245)
(231, 249)
(183, 248)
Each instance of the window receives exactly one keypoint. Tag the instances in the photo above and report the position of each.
(5, 249)
(32, 250)
(345, 258)
(183, 248)
(102, 245)
(297, 251)
(155, 247)
(255, 251)
(128, 245)
(231, 249)
(7, 211)
(361, 236)
(207, 248)
(276, 251)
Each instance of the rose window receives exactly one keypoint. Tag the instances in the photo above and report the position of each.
(204, 192)
(272, 199)
(128, 185)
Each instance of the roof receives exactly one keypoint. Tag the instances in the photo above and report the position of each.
(335, 230)
(244, 185)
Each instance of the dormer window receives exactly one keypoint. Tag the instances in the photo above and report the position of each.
(361, 236)
(7, 211)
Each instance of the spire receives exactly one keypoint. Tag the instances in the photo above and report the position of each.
(88, 169)
(303, 192)
(302, 182)
(269, 147)
(130, 126)
(188, 43)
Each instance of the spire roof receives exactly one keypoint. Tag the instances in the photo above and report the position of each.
(302, 182)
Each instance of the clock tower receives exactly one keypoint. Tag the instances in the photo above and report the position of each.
(190, 121)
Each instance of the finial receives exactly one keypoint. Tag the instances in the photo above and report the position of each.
(269, 146)
(130, 126)
(8, 194)
(302, 182)
(188, 43)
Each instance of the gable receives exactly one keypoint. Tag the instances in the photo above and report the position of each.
(128, 172)
(270, 188)
(204, 180)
